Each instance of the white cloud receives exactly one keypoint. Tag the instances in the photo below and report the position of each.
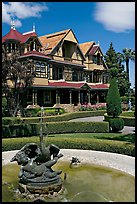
(21, 10)
(116, 16)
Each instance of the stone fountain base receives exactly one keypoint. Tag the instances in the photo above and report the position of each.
(40, 188)
(40, 193)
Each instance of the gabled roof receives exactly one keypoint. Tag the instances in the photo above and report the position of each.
(50, 41)
(85, 47)
(94, 49)
(26, 36)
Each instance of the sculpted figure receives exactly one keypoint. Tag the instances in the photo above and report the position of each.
(37, 162)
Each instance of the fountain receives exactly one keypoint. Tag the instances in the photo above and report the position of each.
(39, 182)
(36, 175)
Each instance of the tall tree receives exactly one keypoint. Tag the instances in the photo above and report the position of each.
(111, 57)
(128, 54)
(114, 60)
(17, 76)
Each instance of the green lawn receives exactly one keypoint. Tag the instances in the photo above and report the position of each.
(128, 114)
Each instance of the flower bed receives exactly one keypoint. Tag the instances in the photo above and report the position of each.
(89, 107)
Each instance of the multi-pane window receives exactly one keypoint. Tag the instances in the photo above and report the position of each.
(74, 76)
(41, 69)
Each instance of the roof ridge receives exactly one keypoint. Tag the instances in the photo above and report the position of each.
(55, 33)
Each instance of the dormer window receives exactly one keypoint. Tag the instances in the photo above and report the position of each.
(98, 59)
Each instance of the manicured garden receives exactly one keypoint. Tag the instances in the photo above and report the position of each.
(108, 142)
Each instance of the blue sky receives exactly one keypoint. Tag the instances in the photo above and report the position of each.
(105, 22)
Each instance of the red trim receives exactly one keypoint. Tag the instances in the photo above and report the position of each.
(77, 85)
(34, 53)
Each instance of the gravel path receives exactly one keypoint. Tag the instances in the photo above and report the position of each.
(117, 161)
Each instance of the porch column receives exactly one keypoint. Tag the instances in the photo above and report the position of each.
(89, 98)
(51, 72)
(97, 97)
(70, 97)
(79, 98)
(92, 77)
(57, 97)
(35, 97)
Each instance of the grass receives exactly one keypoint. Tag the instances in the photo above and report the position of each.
(127, 114)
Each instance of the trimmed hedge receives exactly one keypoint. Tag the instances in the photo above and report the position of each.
(116, 124)
(128, 121)
(18, 130)
(74, 143)
(64, 117)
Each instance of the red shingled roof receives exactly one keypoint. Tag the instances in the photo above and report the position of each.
(26, 36)
(99, 86)
(66, 84)
(93, 49)
(76, 85)
(34, 53)
(15, 35)
(12, 34)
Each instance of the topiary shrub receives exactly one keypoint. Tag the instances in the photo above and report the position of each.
(113, 99)
(116, 124)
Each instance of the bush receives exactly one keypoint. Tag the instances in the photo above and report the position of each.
(64, 117)
(116, 124)
(113, 99)
(18, 130)
(128, 121)
(74, 143)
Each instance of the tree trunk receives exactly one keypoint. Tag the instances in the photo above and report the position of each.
(127, 68)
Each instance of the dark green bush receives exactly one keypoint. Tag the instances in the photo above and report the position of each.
(64, 117)
(74, 143)
(128, 121)
(113, 99)
(116, 124)
(53, 127)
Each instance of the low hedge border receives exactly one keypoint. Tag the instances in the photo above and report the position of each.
(128, 121)
(18, 130)
(63, 117)
(74, 143)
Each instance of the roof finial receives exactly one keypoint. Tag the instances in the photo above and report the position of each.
(98, 43)
(33, 27)
(12, 23)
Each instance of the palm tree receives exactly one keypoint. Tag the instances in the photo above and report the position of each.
(128, 54)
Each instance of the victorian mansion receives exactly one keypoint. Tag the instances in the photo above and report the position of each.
(66, 72)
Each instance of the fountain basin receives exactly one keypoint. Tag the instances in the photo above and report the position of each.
(101, 177)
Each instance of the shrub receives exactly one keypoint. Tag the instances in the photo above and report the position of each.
(113, 99)
(18, 130)
(116, 124)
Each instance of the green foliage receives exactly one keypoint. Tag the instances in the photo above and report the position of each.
(113, 72)
(113, 99)
(53, 127)
(116, 124)
(64, 117)
(74, 142)
(128, 121)
(114, 61)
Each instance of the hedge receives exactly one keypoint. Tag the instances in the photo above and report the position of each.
(18, 130)
(128, 121)
(63, 117)
(74, 143)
